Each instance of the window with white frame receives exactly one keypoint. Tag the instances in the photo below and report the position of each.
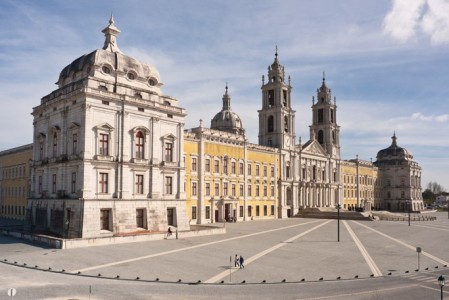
(139, 184)
(104, 144)
(168, 185)
(103, 183)
(140, 145)
(194, 164)
(194, 188)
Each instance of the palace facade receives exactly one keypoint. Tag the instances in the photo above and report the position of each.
(110, 155)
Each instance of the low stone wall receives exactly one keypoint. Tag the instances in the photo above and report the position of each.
(60, 243)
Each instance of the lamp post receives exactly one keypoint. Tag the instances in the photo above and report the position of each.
(409, 202)
(338, 206)
(441, 282)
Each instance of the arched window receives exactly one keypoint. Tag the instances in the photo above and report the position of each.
(270, 124)
(140, 145)
(334, 137)
(55, 144)
(320, 137)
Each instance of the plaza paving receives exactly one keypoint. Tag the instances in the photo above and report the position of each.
(288, 253)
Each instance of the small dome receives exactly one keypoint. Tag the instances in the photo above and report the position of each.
(394, 152)
(226, 119)
(109, 61)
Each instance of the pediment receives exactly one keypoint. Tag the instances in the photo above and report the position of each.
(104, 126)
(313, 147)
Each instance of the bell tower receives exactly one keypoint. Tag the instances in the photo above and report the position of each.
(324, 126)
(276, 118)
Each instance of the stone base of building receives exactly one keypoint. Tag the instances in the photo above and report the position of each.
(91, 218)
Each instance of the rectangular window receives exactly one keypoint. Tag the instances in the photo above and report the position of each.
(272, 171)
(265, 210)
(75, 144)
(207, 212)
(272, 191)
(104, 183)
(250, 211)
(193, 212)
(39, 185)
(265, 191)
(271, 97)
(320, 115)
(217, 189)
(55, 145)
(257, 210)
(207, 165)
(168, 185)
(249, 190)
(194, 164)
(257, 191)
(194, 189)
(241, 190)
(287, 171)
(41, 150)
(53, 183)
(233, 167)
(233, 190)
(139, 184)
(241, 169)
(257, 170)
(225, 166)
(241, 211)
(73, 185)
(207, 189)
(216, 166)
(225, 189)
(104, 144)
(264, 171)
(168, 152)
(272, 210)
(249, 169)
(104, 219)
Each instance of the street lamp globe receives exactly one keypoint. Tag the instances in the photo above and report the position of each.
(441, 280)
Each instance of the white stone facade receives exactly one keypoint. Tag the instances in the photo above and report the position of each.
(108, 149)
(310, 172)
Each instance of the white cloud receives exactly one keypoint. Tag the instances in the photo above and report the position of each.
(435, 22)
(403, 20)
(426, 118)
(407, 19)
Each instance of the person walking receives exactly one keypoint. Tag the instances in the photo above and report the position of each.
(168, 232)
(241, 262)
(236, 261)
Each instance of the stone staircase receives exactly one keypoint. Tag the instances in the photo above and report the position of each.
(331, 213)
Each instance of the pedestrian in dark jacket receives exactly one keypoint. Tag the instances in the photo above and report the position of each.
(241, 262)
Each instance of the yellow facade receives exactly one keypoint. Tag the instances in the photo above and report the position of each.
(227, 178)
(14, 181)
(360, 184)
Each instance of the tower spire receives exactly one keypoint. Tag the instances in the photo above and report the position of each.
(226, 99)
(111, 32)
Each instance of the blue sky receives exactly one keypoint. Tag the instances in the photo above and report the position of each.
(386, 62)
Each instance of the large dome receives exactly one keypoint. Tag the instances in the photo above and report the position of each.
(394, 152)
(109, 63)
(226, 119)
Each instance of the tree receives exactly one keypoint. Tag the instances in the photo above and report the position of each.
(435, 188)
